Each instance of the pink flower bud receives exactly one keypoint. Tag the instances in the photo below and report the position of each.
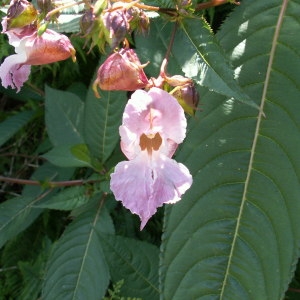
(121, 71)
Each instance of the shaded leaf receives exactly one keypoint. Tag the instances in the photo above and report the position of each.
(15, 215)
(77, 268)
(67, 199)
(64, 117)
(13, 124)
(134, 261)
(63, 156)
(236, 233)
(102, 120)
(18, 213)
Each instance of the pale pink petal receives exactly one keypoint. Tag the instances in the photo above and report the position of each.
(12, 71)
(143, 184)
(131, 183)
(170, 179)
(171, 118)
(149, 113)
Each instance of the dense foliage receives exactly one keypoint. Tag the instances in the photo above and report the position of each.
(236, 232)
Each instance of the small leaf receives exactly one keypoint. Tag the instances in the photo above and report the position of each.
(63, 156)
(134, 261)
(102, 120)
(64, 117)
(77, 268)
(13, 124)
(67, 199)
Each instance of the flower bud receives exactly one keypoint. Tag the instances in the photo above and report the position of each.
(20, 14)
(121, 71)
(87, 22)
(138, 19)
(116, 26)
(187, 97)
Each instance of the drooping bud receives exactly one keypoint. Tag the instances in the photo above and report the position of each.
(187, 97)
(20, 14)
(116, 26)
(121, 71)
(87, 22)
(138, 19)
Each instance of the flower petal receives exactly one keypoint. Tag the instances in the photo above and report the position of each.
(13, 73)
(47, 48)
(131, 183)
(143, 184)
(149, 113)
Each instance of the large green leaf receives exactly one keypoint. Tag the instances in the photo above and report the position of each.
(102, 120)
(13, 124)
(136, 263)
(64, 117)
(235, 235)
(77, 267)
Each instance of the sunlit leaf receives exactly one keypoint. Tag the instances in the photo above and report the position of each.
(236, 233)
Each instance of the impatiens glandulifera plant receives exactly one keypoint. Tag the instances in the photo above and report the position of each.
(116, 183)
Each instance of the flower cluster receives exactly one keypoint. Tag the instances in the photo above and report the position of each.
(154, 122)
(30, 47)
(108, 23)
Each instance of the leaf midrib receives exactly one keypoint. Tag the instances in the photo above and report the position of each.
(254, 144)
(92, 231)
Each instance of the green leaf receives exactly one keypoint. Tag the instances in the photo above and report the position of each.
(236, 232)
(203, 59)
(134, 261)
(13, 124)
(64, 117)
(67, 199)
(77, 268)
(16, 215)
(69, 156)
(102, 120)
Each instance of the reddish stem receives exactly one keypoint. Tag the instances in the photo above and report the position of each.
(51, 184)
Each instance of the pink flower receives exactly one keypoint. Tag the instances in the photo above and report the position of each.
(153, 126)
(32, 49)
